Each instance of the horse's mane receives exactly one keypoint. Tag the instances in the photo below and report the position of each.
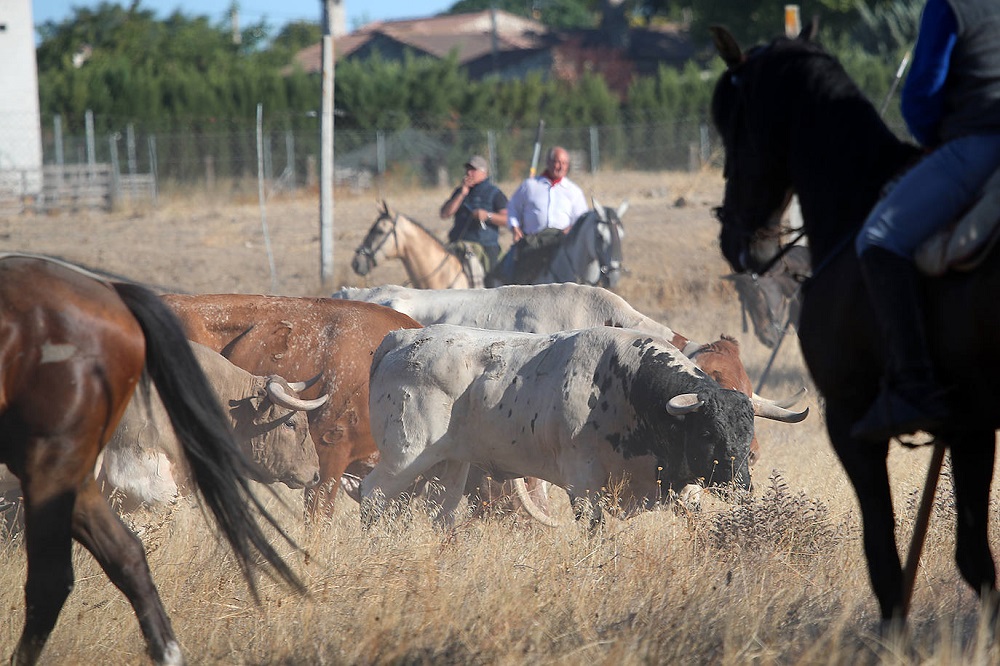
(423, 227)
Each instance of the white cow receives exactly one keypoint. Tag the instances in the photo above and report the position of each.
(588, 410)
(543, 308)
(139, 464)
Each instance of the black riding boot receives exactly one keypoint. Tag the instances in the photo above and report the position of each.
(910, 398)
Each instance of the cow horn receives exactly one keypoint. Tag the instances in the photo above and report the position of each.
(685, 403)
(769, 410)
(786, 402)
(298, 387)
(280, 396)
(529, 505)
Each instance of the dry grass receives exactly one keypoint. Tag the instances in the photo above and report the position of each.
(777, 580)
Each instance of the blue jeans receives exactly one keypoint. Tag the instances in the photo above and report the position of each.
(930, 195)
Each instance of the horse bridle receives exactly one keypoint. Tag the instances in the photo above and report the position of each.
(365, 251)
(369, 252)
(604, 260)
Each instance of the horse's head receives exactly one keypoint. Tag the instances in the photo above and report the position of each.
(608, 233)
(750, 112)
(379, 240)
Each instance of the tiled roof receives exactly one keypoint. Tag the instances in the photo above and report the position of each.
(469, 33)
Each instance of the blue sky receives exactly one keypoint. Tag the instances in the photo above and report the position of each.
(252, 11)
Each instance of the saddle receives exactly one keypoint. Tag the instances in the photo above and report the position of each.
(963, 245)
(474, 260)
(529, 258)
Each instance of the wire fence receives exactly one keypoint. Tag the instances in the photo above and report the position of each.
(130, 164)
(139, 164)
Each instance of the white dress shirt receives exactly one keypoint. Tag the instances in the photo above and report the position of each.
(538, 204)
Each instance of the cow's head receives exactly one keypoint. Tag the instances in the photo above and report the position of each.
(273, 426)
(710, 436)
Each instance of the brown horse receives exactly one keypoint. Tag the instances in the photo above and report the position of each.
(72, 349)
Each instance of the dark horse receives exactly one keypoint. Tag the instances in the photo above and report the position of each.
(791, 120)
(72, 349)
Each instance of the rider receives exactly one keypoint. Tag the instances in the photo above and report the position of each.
(544, 206)
(951, 104)
(480, 210)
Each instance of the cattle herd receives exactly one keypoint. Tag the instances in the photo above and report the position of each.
(377, 389)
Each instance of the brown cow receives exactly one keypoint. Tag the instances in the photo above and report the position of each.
(303, 337)
(720, 360)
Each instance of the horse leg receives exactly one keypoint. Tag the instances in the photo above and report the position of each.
(972, 457)
(865, 464)
(48, 543)
(121, 555)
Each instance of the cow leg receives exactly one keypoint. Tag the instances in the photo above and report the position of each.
(380, 488)
(48, 543)
(452, 481)
(865, 464)
(972, 457)
(120, 554)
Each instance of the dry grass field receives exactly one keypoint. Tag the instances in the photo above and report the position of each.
(780, 580)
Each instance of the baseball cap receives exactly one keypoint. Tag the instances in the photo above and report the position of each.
(478, 162)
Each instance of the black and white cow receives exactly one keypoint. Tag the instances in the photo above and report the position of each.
(588, 410)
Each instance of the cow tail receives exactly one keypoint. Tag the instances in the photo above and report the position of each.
(206, 437)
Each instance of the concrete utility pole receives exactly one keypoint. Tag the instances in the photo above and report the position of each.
(326, 149)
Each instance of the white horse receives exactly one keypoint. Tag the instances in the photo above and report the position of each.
(589, 253)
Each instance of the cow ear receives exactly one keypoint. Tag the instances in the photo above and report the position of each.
(258, 398)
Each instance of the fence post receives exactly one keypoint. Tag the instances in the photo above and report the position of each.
(706, 143)
(91, 149)
(57, 131)
(210, 173)
(113, 146)
(310, 170)
(595, 150)
(290, 157)
(130, 153)
(491, 152)
(380, 151)
(151, 142)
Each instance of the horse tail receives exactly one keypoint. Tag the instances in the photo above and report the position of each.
(217, 465)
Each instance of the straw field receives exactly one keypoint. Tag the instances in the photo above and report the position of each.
(779, 580)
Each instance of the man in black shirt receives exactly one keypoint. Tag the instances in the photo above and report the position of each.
(480, 210)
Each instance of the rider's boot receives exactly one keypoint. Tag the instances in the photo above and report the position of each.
(911, 398)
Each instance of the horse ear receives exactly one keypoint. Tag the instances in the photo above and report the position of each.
(809, 32)
(622, 209)
(602, 214)
(726, 45)
(385, 206)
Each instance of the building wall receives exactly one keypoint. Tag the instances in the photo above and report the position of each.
(20, 127)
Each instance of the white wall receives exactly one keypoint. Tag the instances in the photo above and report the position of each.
(20, 127)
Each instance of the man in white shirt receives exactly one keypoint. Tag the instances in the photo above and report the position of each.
(539, 214)
(548, 201)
